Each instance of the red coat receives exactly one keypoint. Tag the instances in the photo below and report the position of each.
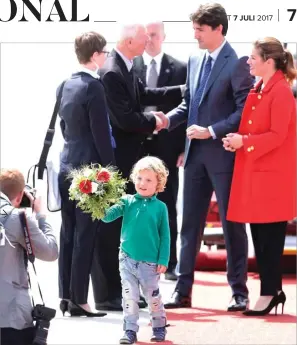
(263, 188)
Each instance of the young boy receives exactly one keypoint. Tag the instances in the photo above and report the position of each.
(145, 246)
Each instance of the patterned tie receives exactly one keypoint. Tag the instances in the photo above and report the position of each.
(204, 74)
(152, 81)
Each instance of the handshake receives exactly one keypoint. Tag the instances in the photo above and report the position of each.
(162, 120)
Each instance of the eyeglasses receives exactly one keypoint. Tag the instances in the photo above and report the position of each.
(105, 52)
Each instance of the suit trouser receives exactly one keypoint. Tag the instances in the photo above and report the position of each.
(269, 242)
(105, 270)
(77, 241)
(199, 184)
(169, 197)
(163, 148)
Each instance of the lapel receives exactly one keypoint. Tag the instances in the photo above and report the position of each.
(140, 68)
(197, 69)
(217, 67)
(127, 76)
(166, 71)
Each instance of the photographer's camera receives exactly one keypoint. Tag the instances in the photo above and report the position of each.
(42, 316)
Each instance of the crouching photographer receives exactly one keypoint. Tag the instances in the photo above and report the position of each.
(23, 236)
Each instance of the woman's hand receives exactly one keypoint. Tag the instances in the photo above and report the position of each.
(233, 141)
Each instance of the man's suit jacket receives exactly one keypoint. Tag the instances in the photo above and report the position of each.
(125, 95)
(221, 106)
(173, 72)
(84, 123)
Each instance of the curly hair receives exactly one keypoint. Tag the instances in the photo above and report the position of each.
(154, 164)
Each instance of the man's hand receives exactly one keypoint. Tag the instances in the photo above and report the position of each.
(161, 269)
(180, 160)
(198, 132)
(36, 202)
(161, 120)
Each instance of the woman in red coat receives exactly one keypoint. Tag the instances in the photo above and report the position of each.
(263, 191)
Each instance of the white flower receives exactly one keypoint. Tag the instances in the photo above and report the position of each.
(94, 187)
(73, 184)
(87, 172)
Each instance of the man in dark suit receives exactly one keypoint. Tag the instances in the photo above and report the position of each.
(125, 94)
(157, 69)
(217, 86)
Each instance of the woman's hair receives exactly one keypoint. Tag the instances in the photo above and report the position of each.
(154, 164)
(12, 182)
(87, 44)
(271, 48)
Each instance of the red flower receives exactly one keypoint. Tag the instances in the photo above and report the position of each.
(85, 186)
(103, 175)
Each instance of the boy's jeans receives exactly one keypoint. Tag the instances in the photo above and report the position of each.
(134, 273)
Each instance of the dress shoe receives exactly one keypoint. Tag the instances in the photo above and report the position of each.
(178, 301)
(275, 301)
(75, 309)
(238, 303)
(116, 304)
(170, 275)
(112, 305)
(142, 302)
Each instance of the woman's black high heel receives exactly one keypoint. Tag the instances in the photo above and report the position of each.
(76, 310)
(281, 300)
(64, 306)
(276, 300)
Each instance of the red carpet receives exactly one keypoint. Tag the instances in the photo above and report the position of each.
(216, 261)
(208, 322)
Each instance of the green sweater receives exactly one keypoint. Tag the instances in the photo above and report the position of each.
(145, 234)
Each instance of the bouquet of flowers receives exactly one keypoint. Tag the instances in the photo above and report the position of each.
(95, 188)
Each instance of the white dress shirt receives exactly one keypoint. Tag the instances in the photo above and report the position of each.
(147, 61)
(128, 63)
(214, 55)
(94, 74)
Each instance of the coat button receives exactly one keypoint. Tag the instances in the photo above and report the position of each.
(250, 122)
(248, 149)
(259, 97)
(253, 108)
(252, 148)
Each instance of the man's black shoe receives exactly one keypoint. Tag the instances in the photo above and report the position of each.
(142, 302)
(116, 304)
(178, 301)
(238, 303)
(112, 305)
(170, 275)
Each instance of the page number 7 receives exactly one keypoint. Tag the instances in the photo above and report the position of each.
(293, 12)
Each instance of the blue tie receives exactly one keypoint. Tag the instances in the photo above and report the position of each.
(204, 74)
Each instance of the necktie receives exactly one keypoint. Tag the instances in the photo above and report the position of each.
(152, 81)
(204, 74)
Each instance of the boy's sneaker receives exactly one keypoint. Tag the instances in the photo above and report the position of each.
(129, 337)
(159, 334)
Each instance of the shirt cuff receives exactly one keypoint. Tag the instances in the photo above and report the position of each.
(182, 90)
(168, 125)
(212, 132)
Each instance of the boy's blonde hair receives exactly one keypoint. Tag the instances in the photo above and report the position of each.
(154, 164)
